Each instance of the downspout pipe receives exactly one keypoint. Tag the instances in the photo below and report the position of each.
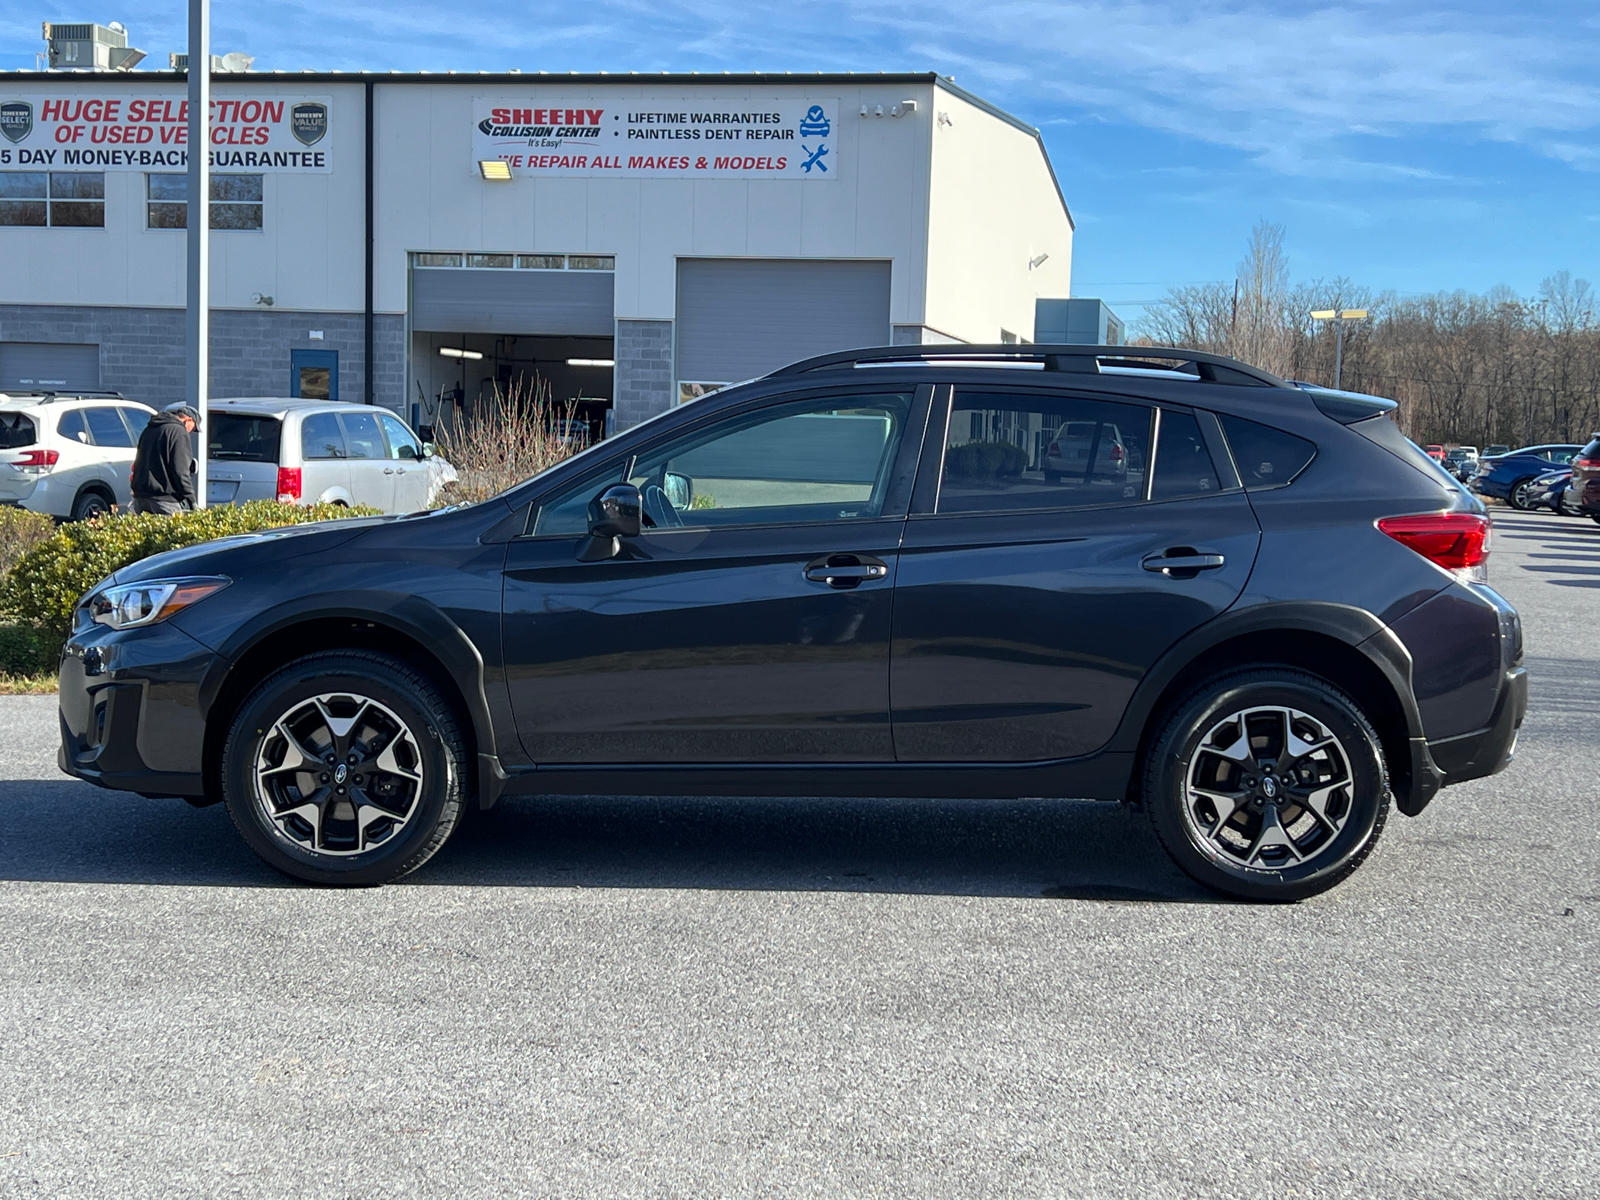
(368, 366)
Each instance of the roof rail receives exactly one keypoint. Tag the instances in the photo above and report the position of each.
(63, 394)
(1076, 360)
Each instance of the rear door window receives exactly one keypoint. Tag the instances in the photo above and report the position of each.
(243, 437)
(321, 437)
(361, 436)
(135, 419)
(1183, 464)
(1266, 457)
(107, 429)
(1014, 451)
(72, 427)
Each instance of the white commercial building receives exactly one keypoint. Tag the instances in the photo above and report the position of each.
(689, 229)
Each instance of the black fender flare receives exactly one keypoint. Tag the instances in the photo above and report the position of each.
(405, 613)
(1354, 627)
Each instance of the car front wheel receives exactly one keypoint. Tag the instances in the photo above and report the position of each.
(345, 768)
(1521, 496)
(1268, 784)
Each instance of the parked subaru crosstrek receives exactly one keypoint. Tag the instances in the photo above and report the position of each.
(1271, 627)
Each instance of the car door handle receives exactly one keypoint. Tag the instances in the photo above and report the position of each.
(388, 470)
(845, 571)
(1167, 564)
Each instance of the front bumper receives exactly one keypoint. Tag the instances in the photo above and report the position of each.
(130, 711)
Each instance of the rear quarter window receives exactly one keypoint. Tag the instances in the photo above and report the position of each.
(1266, 457)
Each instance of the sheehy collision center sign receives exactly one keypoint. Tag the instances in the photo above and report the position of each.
(148, 130)
(659, 137)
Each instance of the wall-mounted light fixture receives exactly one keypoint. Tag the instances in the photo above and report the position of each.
(591, 362)
(496, 170)
(1038, 260)
(258, 298)
(452, 352)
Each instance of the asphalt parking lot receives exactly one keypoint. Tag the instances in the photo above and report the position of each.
(741, 997)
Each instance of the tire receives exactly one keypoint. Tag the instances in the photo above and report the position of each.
(90, 504)
(1517, 497)
(1250, 852)
(405, 767)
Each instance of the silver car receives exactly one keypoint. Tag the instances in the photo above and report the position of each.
(314, 451)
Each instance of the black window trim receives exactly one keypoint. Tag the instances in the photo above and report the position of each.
(897, 492)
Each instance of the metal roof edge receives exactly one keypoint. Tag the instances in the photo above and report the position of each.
(546, 78)
(1015, 122)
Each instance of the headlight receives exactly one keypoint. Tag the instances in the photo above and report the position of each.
(130, 605)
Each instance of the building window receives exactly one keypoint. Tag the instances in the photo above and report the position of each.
(236, 201)
(542, 262)
(589, 262)
(490, 260)
(437, 260)
(522, 262)
(61, 199)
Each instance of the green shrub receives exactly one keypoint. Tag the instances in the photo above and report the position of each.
(47, 582)
(25, 650)
(21, 531)
(990, 461)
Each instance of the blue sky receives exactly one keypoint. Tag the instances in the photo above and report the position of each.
(1409, 145)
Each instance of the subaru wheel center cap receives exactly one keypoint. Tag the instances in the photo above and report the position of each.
(340, 773)
(1269, 788)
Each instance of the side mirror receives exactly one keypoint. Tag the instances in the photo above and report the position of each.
(427, 450)
(679, 491)
(615, 513)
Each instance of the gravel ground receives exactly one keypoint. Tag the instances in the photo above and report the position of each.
(741, 997)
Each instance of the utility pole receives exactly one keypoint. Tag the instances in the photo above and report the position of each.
(198, 316)
(1340, 319)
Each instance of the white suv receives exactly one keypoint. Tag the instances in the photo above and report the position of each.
(308, 451)
(68, 455)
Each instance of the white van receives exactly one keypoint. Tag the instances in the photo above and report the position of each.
(68, 455)
(313, 451)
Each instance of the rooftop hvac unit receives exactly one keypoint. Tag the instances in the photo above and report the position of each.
(90, 47)
(221, 64)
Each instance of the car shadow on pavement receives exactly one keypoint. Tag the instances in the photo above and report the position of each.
(67, 832)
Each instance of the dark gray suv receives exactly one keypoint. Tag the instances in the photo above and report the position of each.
(1253, 609)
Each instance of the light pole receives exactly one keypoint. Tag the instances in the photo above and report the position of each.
(1340, 318)
(198, 316)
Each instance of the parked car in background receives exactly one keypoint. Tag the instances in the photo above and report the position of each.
(68, 455)
(1434, 452)
(1550, 491)
(1510, 477)
(314, 451)
(1496, 450)
(1262, 657)
(1461, 461)
(1584, 490)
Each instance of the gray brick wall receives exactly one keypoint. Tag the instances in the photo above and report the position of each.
(644, 382)
(142, 349)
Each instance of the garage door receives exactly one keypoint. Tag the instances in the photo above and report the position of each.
(743, 317)
(553, 303)
(48, 366)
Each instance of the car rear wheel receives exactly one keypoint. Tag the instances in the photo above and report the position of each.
(1521, 495)
(1268, 784)
(89, 505)
(345, 768)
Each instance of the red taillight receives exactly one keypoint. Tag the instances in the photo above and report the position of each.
(1116, 453)
(1454, 541)
(1055, 448)
(38, 458)
(288, 484)
(1590, 463)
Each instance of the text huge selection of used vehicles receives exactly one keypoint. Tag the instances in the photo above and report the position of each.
(1510, 477)
(68, 454)
(855, 576)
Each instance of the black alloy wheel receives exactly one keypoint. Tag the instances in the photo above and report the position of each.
(1521, 495)
(345, 768)
(1268, 784)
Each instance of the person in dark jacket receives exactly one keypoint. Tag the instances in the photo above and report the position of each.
(163, 465)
